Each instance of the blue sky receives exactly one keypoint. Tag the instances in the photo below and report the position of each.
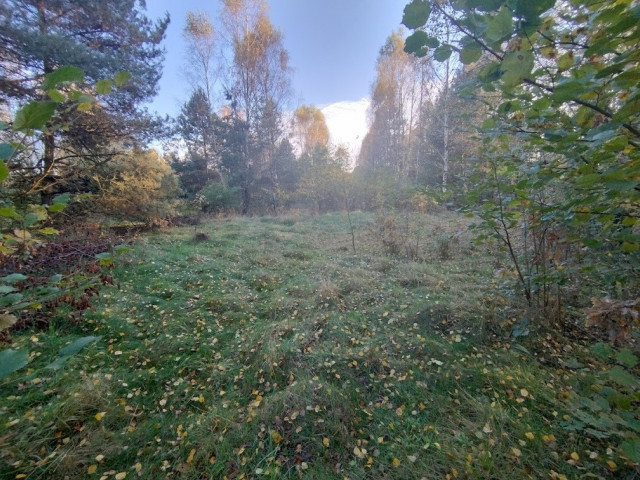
(332, 44)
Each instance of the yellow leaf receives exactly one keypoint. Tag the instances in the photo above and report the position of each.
(325, 442)
(21, 475)
(92, 469)
(137, 467)
(191, 454)
(121, 475)
(524, 392)
(99, 458)
(612, 465)
(359, 452)
(575, 456)
(396, 462)
(98, 416)
(487, 428)
(516, 452)
(529, 435)
(276, 437)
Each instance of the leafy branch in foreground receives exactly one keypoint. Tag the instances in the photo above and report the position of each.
(567, 77)
(25, 225)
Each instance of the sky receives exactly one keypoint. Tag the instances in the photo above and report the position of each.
(332, 45)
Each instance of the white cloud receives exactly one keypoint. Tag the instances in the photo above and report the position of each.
(348, 124)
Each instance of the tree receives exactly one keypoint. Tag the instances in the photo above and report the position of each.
(309, 128)
(200, 38)
(200, 129)
(136, 185)
(102, 39)
(397, 94)
(259, 79)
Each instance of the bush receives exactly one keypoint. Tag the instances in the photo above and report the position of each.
(218, 198)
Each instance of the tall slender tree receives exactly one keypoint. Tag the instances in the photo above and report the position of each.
(200, 38)
(259, 84)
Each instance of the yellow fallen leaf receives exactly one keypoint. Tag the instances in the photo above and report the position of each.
(92, 469)
(529, 435)
(137, 467)
(487, 428)
(575, 456)
(516, 452)
(612, 465)
(98, 416)
(524, 392)
(396, 462)
(276, 437)
(99, 458)
(359, 452)
(325, 442)
(191, 454)
(120, 475)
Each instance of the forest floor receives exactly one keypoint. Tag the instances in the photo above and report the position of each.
(268, 348)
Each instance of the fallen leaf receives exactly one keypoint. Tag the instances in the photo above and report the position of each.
(276, 437)
(325, 442)
(92, 469)
(359, 452)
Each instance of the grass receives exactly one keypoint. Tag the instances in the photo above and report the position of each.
(270, 350)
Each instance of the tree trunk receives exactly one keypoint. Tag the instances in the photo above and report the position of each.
(48, 139)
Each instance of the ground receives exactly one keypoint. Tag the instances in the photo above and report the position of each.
(269, 348)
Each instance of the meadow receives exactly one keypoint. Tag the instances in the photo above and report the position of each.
(286, 347)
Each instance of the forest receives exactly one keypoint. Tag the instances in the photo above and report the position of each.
(227, 294)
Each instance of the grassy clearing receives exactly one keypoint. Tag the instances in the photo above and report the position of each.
(271, 350)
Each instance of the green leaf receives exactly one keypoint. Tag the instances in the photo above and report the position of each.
(588, 179)
(516, 66)
(626, 358)
(56, 207)
(14, 278)
(565, 62)
(442, 53)
(621, 185)
(31, 219)
(77, 345)
(500, 26)
(4, 170)
(602, 350)
(121, 78)
(416, 14)
(630, 108)
(62, 199)
(419, 42)
(84, 107)
(48, 231)
(12, 360)
(56, 95)
(622, 377)
(6, 152)
(34, 115)
(631, 449)
(531, 10)
(66, 74)
(103, 87)
(471, 53)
